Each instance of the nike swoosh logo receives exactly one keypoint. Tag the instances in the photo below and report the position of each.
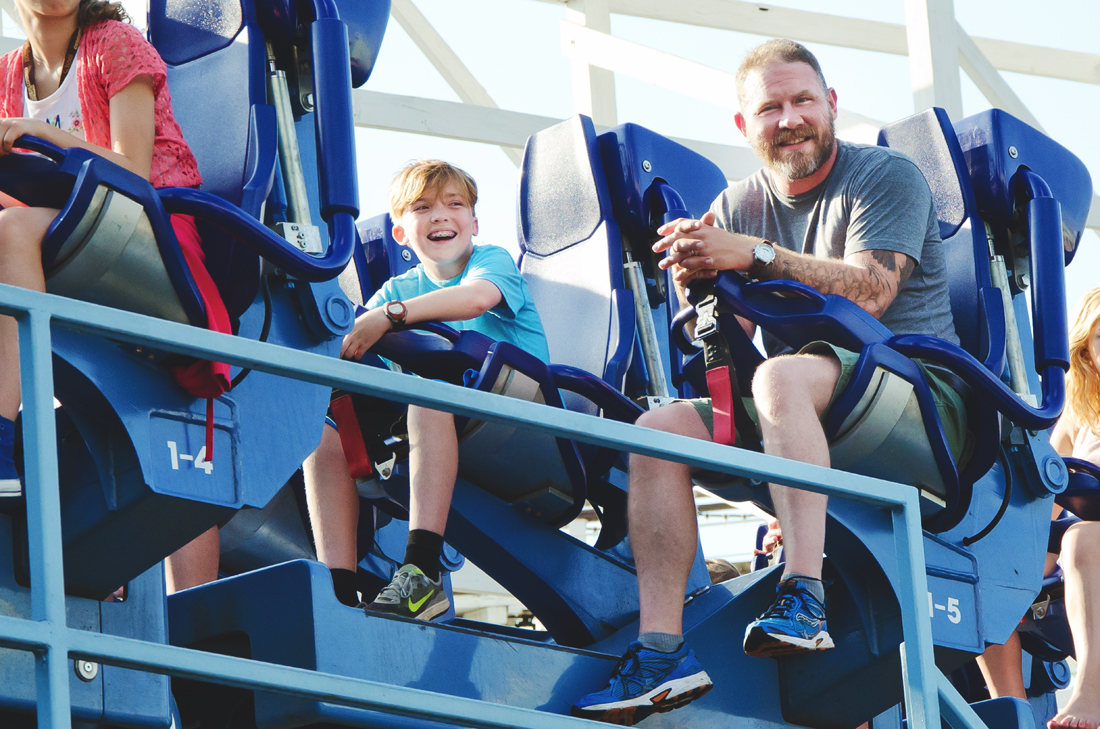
(414, 606)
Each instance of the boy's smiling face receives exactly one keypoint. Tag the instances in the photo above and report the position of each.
(439, 226)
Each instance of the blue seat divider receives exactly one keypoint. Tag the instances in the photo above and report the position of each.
(570, 240)
(653, 180)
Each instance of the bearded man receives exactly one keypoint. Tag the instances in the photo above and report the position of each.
(847, 219)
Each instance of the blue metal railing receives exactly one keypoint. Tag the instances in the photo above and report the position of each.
(928, 694)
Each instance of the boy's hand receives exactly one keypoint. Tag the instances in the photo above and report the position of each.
(369, 328)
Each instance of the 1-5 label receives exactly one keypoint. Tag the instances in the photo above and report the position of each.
(951, 608)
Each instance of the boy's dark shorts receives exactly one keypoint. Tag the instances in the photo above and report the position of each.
(949, 403)
(388, 417)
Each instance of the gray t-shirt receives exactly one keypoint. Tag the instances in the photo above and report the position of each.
(874, 198)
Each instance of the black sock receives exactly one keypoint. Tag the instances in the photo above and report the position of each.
(343, 584)
(423, 552)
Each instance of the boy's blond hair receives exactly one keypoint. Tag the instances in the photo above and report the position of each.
(1083, 380)
(427, 177)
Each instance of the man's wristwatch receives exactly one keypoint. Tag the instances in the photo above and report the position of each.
(396, 312)
(762, 256)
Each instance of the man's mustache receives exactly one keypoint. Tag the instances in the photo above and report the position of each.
(792, 136)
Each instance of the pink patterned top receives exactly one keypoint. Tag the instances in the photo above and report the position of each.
(111, 54)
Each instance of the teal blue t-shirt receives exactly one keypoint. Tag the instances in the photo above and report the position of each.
(514, 320)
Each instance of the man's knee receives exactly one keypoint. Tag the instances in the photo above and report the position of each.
(793, 380)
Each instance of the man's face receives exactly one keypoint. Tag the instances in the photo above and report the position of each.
(788, 118)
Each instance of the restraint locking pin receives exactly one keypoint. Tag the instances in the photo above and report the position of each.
(86, 670)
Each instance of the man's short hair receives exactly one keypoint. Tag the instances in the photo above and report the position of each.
(777, 49)
(428, 177)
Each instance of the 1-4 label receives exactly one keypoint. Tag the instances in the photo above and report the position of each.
(199, 461)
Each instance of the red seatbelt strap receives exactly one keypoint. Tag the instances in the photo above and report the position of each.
(351, 437)
(202, 378)
(730, 415)
(210, 430)
(721, 398)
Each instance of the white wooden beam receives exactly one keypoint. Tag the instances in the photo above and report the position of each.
(593, 86)
(989, 81)
(392, 112)
(452, 120)
(689, 78)
(647, 64)
(445, 60)
(866, 35)
(933, 55)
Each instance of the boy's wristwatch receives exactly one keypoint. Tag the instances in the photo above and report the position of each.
(396, 312)
(762, 256)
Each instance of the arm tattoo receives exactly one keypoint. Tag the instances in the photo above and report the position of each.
(871, 281)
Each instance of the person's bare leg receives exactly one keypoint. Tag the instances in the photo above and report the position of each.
(1081, 565)
(333, 502)
(663, 527)
(433, 468)
(21, 234)
(195, 563)
(1001, 668)
(791, 393)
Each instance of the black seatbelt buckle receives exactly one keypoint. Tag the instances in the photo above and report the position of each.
(706, 319)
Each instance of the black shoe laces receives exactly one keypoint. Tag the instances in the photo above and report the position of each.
(629, 664)
(783, 606)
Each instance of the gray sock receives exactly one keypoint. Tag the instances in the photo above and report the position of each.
(812, 584)
(661, 642)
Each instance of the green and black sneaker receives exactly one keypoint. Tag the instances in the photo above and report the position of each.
(411, 595)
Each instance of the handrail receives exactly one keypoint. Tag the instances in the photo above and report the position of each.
(57, 644)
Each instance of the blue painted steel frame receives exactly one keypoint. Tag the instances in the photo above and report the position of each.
(53, 642)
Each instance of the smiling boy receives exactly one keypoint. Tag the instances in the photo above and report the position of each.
(466, 286)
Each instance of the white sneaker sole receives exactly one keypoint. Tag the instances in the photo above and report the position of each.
(10, 487)
(434, 611)
(779, 645)
(666, 695)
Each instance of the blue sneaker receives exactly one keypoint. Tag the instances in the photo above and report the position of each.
(646, 682)
(795, 623)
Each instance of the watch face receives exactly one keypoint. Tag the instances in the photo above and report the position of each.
(764, 253)
(395, 310)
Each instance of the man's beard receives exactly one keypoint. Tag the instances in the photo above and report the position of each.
(803, 163)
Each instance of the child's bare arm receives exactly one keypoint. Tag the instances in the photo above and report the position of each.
(132, 129)
(1062, 435)
(456, 303)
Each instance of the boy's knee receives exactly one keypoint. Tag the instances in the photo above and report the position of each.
(679, 418)
(1081, 545)
(427, 415)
